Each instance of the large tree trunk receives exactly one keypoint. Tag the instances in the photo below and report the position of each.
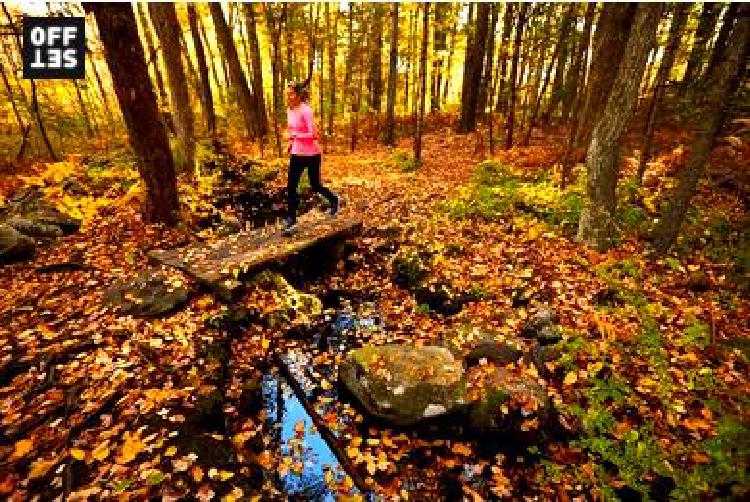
(597, 227)
(720, 86)
(681, 12)
(135, 94)
(510, 121)
(473, 70)
(207, 101)
(703, 35)
(390, 109)
(257, 67)
(164, 19)
(422, 83)
(245, 99)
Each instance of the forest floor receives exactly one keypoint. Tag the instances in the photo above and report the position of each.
(651, 389)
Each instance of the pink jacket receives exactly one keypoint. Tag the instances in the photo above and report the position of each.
(301, 129)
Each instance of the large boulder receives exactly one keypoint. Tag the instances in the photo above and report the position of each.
(474, 344)
(404, 384)
(150, 294)
(30, 210)
(506, 401)
(14, 245)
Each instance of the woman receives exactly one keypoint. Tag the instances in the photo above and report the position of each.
(304, 152)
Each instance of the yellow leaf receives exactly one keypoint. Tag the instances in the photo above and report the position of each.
(22, 448)
(40, 468)
(170, 451)
(78, 454)
(197, 473)
(131, 447)
(100, 452)
(570, 378)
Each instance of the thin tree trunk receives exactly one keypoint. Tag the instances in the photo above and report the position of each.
(503, 98)
(375, 73)
(257, 67)
(449, 67)
(488, 59)
(510, 122)
(562, 59)
(164, 20)
(538, 96)
(422, 83)
(676, 30)
(153, 52)
(246, 100)
(84, 111)
(390, 122)
(135, 93)
(721, 40)
(721, 83)
(597, 225)
(703, 35)
(19, 120)
(207, 101)
(211, 62)
(332, 37)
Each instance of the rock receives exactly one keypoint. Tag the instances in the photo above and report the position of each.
(494, 352)
(30, 204)
(150, 294)
(33, 228)
(409, 269)
(543, 354)
(404, 384)
(292, 303)
(14, 245)
(504, 401)
(698, 281)
(542, 326)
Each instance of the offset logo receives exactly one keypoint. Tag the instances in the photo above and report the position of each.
(54, 47)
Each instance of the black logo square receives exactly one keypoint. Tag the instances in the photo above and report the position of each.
(54, 47)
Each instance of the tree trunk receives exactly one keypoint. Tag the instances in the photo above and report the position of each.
(164, 20)
(454, 29)
(562, 60)
(207, 101)
(681, 12)
(703, 35)
(153, 52)
(488, 60)
(84, 111)
(212, 63)
(721, 40)
(257, 67)
(721, 83)
(375, 74)
(135, 94)
(24, 128)
(347, 97)
(538, 97)
(502, 98)
(422, 83)
(597, 227)
(390, 122)
(246, 100)
(102, 91)
(510, 122)
(332, 37)
(473, 70)
(274, 26)
(574, 89)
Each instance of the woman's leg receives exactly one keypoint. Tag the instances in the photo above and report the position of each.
(296, 166)
(313, 172)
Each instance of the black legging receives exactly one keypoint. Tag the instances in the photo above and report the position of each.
(297, 164)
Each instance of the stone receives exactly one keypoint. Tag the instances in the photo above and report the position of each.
(33, 228)
(403, 384)
(542, 326)
(14, 245)
(543, 354)
(150, 294)
(506, 401)
(293, 304)
(493, 352)
(31, 205)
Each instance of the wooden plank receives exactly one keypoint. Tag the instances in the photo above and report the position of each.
(222, 263)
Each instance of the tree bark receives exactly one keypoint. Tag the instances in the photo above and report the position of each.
(446, 87)
(501, 105)
(721, 40)
(703, 35)
(257, 67)
(245, 99)
(488, 60)
(211, 62)
(473, 70)
(681, 12)
(422, 83)
(375, 73)
(510, 122)
(390, 122)
(164, 20)
(332, 37)
(153, 52)
(721, 83)
(207, 101)
(135, 94)
(273, 25)
(562, 60)
(597, 226)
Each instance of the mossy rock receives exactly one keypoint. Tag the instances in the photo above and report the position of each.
(14, 245)
(151, 294)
